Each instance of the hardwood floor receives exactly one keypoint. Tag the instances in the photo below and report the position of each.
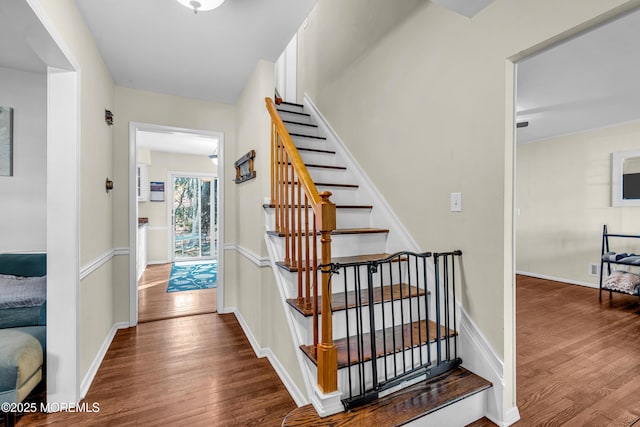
(397, 408)
(578, 360)
(155, 303)
(196, 371)
(578, 364)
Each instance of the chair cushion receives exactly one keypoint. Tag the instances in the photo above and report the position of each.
(23, 264)
(21, 358)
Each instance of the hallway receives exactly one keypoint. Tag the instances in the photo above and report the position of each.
(155, 303)
(196, 371)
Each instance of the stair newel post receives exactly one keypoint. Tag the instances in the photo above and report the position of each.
(327, 352)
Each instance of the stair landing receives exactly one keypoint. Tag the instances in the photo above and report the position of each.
(400, 407)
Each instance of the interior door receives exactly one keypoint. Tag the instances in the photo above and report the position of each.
(194, 217)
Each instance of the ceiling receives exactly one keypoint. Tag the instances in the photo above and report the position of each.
(162, 46)
(589, 82)
(177, 142)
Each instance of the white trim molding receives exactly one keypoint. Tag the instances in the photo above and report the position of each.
(98, 262)
(261, 352)
(97, 361)
(558, 279)
(251, 256)
(479, 357)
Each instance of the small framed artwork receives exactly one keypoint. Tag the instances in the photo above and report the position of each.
(157, 191)
(6, 141)
(244, 167)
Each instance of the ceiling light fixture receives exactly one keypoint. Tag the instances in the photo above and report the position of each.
(214, 159)
(198, 5)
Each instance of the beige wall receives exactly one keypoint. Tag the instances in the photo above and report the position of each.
(250, 288)
(433, 98)
(96, 157)
(160, 166)
(564, 196)
(154, 108)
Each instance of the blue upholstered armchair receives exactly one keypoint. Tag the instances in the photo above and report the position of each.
(22, 325)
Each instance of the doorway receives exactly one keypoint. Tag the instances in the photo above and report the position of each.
(179, 209)
(568, 125)
(194, 216)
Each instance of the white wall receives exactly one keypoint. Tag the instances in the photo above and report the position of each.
(23, 217)
(433, 98)
(564, 196)
(161, 164)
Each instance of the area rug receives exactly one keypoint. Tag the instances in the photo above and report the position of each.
(192, 276)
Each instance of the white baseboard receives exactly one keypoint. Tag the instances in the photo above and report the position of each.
(158, 261)
(261, 352)
(480, 358)
(97, 361)
(558, 279)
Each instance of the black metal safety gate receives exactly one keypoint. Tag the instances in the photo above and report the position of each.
(399, 322)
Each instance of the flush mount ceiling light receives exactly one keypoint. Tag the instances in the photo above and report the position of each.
(198, 5)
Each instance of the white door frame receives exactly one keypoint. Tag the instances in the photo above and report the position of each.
(133, 210)
(170, 200)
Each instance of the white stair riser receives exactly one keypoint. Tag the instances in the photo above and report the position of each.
(320, 144)
(404, 360)
(328, 175)
(295, 117)
(345, 218)
(393, 315)
(345, 245)
(319, 158)
(460, 413)
(289, 107)
(344, 195)
(398, 275)
(301, 129)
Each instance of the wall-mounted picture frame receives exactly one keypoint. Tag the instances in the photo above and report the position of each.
(156, 193)
(244, 167)
(6, 141)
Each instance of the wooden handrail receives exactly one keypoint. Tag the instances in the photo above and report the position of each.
(288, 176)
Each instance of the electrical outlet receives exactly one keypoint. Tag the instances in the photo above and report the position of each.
(594, 269)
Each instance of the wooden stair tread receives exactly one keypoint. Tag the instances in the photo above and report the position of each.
(291, 122)
(339, 300)
(314, 150)
(415, 333)
(342, 260)
(313, 165)
(273, 205)
(291, 103)
(338, 231)
(400, 407)
(328, 184)
(300, 135)
(293, 112)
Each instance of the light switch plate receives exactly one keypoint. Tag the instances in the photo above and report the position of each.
(456, 202)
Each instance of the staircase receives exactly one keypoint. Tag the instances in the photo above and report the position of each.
(368, 323)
